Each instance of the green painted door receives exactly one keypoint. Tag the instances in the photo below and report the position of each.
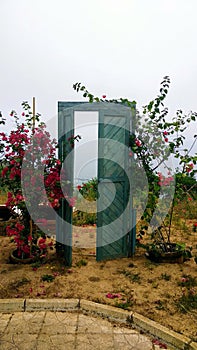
(64, 215)
(114, 205)
(115, 198)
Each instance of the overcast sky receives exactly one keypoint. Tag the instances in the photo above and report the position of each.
(120, 48)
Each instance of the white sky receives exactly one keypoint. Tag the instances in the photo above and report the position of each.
(121, 48)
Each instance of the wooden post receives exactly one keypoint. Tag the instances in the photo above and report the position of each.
(33, 127)
(34, 114)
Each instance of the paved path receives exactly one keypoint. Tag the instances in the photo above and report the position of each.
(52, 330)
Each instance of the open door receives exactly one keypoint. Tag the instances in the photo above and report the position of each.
(115, 197)
(114, 204)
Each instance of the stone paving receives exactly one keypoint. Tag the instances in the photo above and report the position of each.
(53, 330)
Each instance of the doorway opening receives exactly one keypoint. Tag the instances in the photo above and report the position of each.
(85, 183)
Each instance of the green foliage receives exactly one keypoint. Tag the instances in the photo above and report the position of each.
(47, 278)
(81, 218)
(165, 276)
(134, 277)
(81, 262)
(124, 304)
(187, 281)
(89, 192)
(188, 301)
(155, 138)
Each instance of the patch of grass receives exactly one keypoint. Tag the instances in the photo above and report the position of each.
(134, 277)
(188, 301)
(47, 278)
(20, 282)
(124, 304)
(187, 281)
(81, 262)
(159, 305)
(150, 265)
(165, 276)
(37, 264)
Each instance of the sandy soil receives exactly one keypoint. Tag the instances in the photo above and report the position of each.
(136, 283)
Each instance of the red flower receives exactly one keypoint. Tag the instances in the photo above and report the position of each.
(189, 167)
(166, 139)
(41, 240)
(104, 96)
(165, 133)
(138, 143)
(113, 295)
(79, 187)
(4, 171)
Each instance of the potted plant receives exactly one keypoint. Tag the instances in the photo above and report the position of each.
(32, 145)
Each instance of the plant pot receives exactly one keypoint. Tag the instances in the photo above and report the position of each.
(15, 259)
(173, 254)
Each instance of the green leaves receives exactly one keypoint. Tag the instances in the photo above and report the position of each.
(158, 136)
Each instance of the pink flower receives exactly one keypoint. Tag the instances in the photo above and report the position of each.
(113, 295)
(72, 201)
(189, 167)
(23, 114)
(183, 279)
(4, 171)
(165, 133)
(138, 142)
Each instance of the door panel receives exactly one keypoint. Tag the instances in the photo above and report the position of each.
(113, 220)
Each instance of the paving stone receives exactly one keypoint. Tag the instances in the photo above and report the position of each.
(4, 320)
(17, 342)
(94, 342)
(64, 323)
(88, 324)
(56, 342)
(25, 322)
(132, 341)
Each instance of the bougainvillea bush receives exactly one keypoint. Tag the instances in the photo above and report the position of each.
(157, 140)
(29, 162)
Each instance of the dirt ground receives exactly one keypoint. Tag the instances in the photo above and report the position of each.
(137, 284)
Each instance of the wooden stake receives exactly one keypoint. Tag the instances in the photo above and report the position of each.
(34, 114)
